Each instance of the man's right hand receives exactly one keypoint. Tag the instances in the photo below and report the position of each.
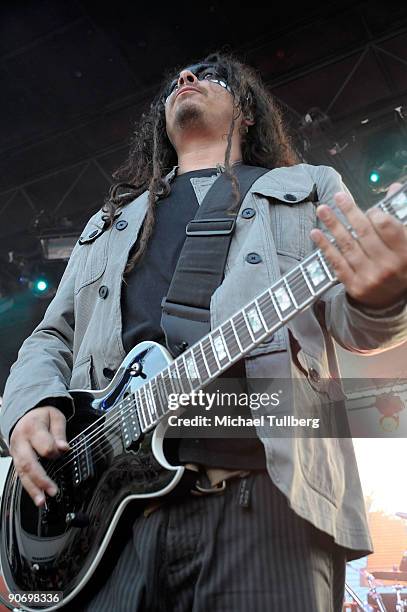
(39, 432)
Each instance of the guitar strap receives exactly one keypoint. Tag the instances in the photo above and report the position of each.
(200, 269)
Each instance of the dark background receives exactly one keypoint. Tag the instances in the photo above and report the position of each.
(75, 75)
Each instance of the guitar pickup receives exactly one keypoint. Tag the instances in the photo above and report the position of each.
(82, 463)
(130, 427)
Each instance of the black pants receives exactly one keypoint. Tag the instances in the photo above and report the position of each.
(242, 550)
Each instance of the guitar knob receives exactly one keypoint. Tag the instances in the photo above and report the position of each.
(77, 519)
(137, 370)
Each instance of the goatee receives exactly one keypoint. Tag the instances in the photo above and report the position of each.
(188, 116)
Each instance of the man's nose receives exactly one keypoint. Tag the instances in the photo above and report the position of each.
(186, 77)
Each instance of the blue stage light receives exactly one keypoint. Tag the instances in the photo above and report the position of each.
(374, 177)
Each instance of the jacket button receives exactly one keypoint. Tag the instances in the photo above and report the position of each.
(103, 291)
(108, 373)
(248, 213)
(121, 225)
(290, 197)
(253, 258)
(314, 375)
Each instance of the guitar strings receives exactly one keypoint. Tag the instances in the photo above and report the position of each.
(117, 415)
(228, 335)
(231, 335)
(299, 270)
(109, 422)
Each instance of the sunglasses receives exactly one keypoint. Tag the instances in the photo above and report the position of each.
(203, 72)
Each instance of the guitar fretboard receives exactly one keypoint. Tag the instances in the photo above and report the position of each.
(241, 333)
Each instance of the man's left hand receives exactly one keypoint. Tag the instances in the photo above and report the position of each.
(371, 263)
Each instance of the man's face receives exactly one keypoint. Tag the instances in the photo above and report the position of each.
(199, 98)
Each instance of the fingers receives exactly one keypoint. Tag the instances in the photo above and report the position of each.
(347, 256)
(360, 238)
(43, 442)
(343, 271)
(41, 431)
(391, 232)
(378, 234)
(58, 429)
(370, 255)
(32, 475)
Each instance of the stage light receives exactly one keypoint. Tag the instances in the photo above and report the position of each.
(38, 277)
(41, 286)
(374, 177)
(385, 154)
(388, 172)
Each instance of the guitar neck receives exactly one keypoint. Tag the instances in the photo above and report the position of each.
(247, 328)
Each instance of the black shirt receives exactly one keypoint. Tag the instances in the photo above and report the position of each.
(148, 282)
(143, 289)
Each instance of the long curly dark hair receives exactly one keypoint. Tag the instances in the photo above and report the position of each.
(152, 156)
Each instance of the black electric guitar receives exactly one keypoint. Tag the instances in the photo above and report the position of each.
(117, 459)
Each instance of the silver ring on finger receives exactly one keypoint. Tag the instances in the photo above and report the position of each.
(352, 232)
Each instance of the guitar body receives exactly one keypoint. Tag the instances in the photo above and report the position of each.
(59, 547)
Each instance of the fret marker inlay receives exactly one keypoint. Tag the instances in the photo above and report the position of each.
(189, 362)
(283, 299)
(316, 272)
(254, 320)
(220, 348)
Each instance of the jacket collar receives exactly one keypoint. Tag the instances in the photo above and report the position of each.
(173, 173)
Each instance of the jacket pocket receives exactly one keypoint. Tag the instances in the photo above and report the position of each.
(319, 377)
(319, 453)
(321, 463)
(291, 227)
(292, 196)
(83, 374)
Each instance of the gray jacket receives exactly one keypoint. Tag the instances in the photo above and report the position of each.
(81, 336)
